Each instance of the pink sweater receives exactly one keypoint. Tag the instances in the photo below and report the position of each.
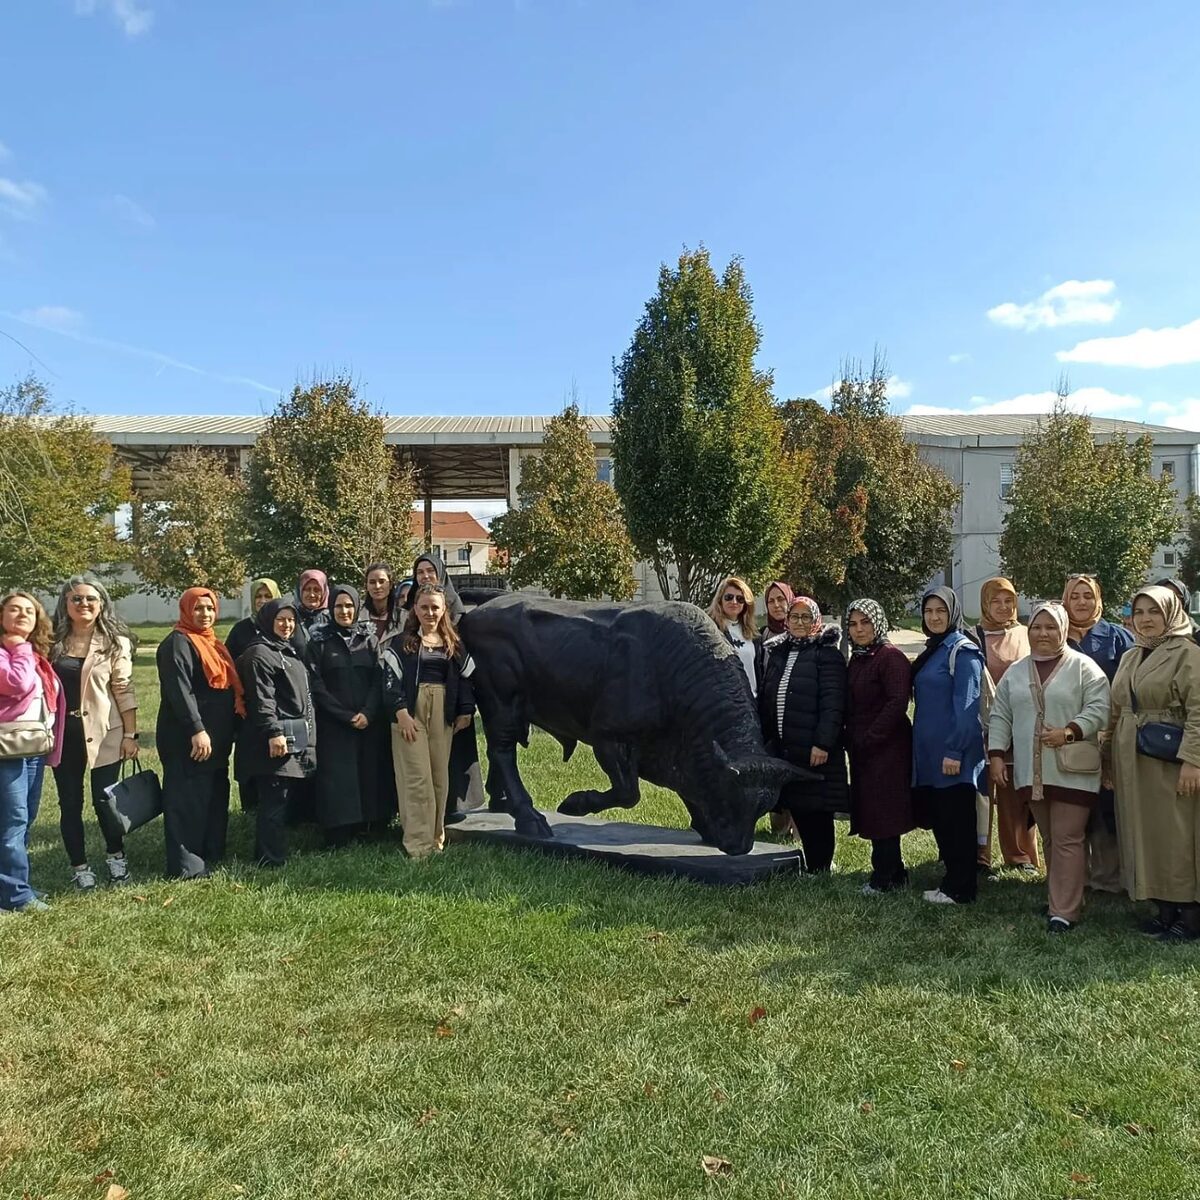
(18, 683)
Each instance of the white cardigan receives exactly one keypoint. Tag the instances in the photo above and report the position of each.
(1077, 691)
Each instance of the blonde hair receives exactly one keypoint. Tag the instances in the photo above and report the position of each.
(42, 633)
(445, 627)
(746, 622)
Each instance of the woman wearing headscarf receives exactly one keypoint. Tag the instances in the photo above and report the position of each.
(31, 694)
(948, 755)
(466, 782)
(377, 598)
(1105, 644)
(1004, 642)
(732, 611)
(776, 600)
(879, 743)
(1049, 711)
(312, 611)
(92, 653)
(278, 740)
(246, 630)
(1185, 598)
(1156, 692)
(802, 704)
(343, 666)
(201, 697)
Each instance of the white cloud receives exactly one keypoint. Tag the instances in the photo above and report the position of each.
(21, 199)
(959, 358)
(1169, 347)
(133, 20)
(1182, 414)
(52, 316)
(897, 389)
(1097, 401)
(131, 211)
(1075, 302)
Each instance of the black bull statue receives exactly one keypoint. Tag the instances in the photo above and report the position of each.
(654, 690)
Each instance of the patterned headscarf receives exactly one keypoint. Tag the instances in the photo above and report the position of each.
(1059, 615)
(814, 608)
(873, 611)
(1178, 622)
(954, 625)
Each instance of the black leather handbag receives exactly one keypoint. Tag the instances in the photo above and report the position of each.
(1157, 739)
(135, 799)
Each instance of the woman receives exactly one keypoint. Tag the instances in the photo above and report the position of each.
(92, 655)
(427, 686)
(246, 630)
(466, 781)
(377, 607)
(312, 590)
(278, 739)
(344, 676)
(1105, 644)
(948, 741)
(802, 705)
(1004, 642)
(732, 611)
(1185, 598)
(1048, 712)
(777, 600)
(29, 694)
(201, 697)
(879, 742)
(1156, 685)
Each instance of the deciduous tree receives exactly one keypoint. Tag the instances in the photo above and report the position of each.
(60, 488)
(323, 489)
(190, 532)
(568, 535)
(700, 467)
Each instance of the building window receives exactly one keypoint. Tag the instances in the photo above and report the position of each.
(604, 470)
(1168, 469)
(1006, 481)
(1168, 558)
(464, 554)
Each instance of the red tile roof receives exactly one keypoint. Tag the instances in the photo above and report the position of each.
(448, 526)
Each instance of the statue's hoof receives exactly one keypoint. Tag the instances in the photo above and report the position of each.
(534, 825)
(580, 804)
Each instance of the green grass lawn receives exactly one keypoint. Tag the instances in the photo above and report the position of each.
(497, 1024)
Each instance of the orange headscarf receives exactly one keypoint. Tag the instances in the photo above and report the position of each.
(215, 659)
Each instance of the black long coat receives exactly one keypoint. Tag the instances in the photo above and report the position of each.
(188, 706)
(276, 683)
(813, 715)
(879, 741)
(345, 679)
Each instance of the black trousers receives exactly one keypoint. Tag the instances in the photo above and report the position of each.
(887, 863)
(274, 794)
(952, 816)
(195, 819)
(816, 838)
(68, 778)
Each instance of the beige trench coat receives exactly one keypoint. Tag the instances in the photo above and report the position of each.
(105, 692)
(1159, 831)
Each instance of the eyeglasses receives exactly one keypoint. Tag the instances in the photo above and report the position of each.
(733, 598)
(80, 601)
(800, 619)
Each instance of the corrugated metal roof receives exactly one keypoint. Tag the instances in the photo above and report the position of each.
(1010, 425)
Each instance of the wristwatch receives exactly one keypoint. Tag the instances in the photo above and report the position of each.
(1070, 735)
(133, 737)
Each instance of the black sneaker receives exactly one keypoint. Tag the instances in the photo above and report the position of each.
(118, 869)
(1059, 925)
(1179, 932)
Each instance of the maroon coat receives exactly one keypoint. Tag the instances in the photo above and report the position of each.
(879, 742)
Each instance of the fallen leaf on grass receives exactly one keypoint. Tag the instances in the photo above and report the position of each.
(116, 1192)
(168, 902)
(425, 1118)
(443, 1030)
(679, 1001)
(719, 1096)
(648, 1089)
(715, 1165)
(1080, 1177)
(565, 1129)
(866, 1107)
(656, 936)
(957, 1064)
(287, 958)
(141, 899)
(756, 1015)
(104, 1176)
(1135, 1130)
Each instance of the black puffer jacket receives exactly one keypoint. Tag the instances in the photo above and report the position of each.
(813, 713)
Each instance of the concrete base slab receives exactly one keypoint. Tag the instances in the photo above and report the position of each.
(647, 849)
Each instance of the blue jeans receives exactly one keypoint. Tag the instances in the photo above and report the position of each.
(20, 795)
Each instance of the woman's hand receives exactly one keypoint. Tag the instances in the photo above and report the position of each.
(129, 747)
(359, 721)
(1189, 780)
(817, 757)
(9, 640)
(201, 746)
(998, 771)
(408, 727)
(277, 746)
(1053, 738)
(461, 723)
(951, 766)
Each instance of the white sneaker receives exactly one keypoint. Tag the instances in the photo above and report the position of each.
(34, 906)
(84, 879)
(937, 896)
(869, 890)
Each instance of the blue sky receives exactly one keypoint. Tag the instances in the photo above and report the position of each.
(465, 202)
